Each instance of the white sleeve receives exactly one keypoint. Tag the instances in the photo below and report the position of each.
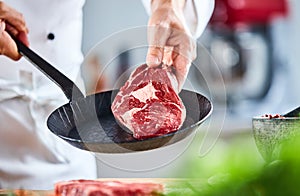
(196, 12)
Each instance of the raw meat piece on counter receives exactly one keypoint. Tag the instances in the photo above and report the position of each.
(106, 188)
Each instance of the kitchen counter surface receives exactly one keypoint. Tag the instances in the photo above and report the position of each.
(171, 185)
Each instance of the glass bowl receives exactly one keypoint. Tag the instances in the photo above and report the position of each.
(271, 133)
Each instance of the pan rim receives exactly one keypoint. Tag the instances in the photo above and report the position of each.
(180, 131)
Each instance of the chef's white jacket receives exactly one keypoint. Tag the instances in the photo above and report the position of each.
(30, 155)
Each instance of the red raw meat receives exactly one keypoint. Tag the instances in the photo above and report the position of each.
(148, 104)
(106, 188)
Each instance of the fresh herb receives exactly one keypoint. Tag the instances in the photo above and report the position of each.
(235, 167)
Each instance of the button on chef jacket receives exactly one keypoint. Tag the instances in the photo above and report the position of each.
(31, 156)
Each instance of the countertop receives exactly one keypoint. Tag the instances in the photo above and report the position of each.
(171, 185)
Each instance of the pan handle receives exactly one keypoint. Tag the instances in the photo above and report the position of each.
(71, 91)
(293, 113)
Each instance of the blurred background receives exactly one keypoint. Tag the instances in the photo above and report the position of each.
(247, 64)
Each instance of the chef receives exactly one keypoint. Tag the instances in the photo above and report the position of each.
(31, 156)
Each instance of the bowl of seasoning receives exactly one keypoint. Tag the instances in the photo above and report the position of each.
(272, 131)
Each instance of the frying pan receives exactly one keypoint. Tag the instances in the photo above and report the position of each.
(87, 122)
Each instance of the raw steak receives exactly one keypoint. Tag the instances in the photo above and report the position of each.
(148, 104)
(106, 188)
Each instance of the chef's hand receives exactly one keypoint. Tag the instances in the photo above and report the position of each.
(170, 39)
(13, 22)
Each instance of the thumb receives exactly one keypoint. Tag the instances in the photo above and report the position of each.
(154, 56)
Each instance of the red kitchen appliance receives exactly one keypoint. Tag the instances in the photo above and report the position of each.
(240, 42)
(232, 13)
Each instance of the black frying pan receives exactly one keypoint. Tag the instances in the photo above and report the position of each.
(88, 123)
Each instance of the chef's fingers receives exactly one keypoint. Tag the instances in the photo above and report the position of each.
(183, 44)
(12, 23)
(12, 17)
(154, 56)
(20, 35)
(158, 35)
(7, 45)
(182, 66)
(167, 56)
(183, 53)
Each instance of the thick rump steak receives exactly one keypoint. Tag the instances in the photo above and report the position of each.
(148, 104)
(106, 188)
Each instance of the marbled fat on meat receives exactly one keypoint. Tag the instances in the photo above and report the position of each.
(148, 104)
(106, 188)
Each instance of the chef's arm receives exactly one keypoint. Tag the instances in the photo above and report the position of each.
(13, 22)
(196, 13)
(173, 27)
